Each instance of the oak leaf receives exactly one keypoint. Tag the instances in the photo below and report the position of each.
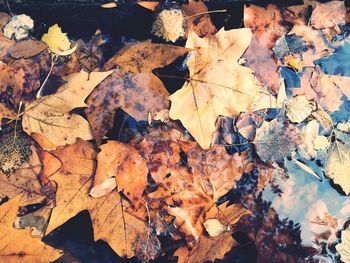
(121, 166)
(50, 115)
(218, 85)
(132, 87)
(16, 244)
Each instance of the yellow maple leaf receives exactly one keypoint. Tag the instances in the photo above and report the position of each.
(58, 41)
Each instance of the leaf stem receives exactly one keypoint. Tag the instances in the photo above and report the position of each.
(53, 61)
(208, 12)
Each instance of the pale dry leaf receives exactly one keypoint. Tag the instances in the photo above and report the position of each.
(343, 247)
(321, 142)
(50, 115)
(309, 134)
(299, 108)
(218, 85)
(337, 166)
(214, 227)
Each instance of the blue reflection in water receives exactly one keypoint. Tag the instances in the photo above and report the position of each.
(338, 62)
(309, 201)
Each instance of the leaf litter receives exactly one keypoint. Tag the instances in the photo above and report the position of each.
(235, 150)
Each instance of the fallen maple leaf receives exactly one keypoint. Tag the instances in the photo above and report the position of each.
(121, 166)
(114, 225)
(217, 84)
(50, 115)
(207, 249)
(227, 214)
(132, 87)
(74, 180)
(17, 245)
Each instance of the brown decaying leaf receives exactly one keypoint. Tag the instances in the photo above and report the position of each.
(132, 87)
(13, 78)
(50, 115)
(17, 245)
(161, 154)
(328, 14)
(121, 166)
(219, 179)
(27, 48)
(33, 69)
(200, 24)
(5, 45)
(207, 249)
(6, 112)
(89, 54)
(218, 85)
